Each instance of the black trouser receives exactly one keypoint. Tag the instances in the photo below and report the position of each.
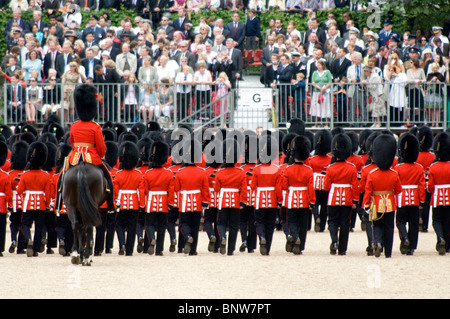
(15, 226)
(228, 217)
(283, 220)
(441, 223)
(425, 211)
(408, 215)
(190, 223)
(2, 231)
(297, 221)
(38, 217)
(64, 230)
(126, 221)
(322, 201)
(171, 220)
(210, 224)
(248, 226)
(383, 232)
(339, 225)
(156, 223)
(49, 229)
(108, 228)
(265, 223)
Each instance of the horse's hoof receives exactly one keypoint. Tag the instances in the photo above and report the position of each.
(87, 261)
(75, 259)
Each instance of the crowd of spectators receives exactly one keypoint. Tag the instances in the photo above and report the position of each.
(160, 59)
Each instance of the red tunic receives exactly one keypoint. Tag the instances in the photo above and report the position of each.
(319, 164)
(425, 159)
(214, 196)
(87, 141)
(297, 181)
(34, 187)
(174, 168)
(341, 180)
(248, 170)
(54, 192)
(382, 188)
(157, 186)
(266, 184)
(439, 183)
(412, 178)
(364, 173)
(17, 199)
(127, 189)
(231, 184)
(192, 188)
(5, 192)
(357, 161)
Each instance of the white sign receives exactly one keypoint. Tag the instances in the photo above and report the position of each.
(255, 98)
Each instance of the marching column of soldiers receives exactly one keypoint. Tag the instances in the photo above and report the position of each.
(215, 186)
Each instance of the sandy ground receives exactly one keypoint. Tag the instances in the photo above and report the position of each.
(314, 275)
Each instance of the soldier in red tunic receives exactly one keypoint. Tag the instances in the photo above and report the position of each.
(359, 163)
(192, 189)
(231, 186)
(380, 197)
(157, 186)
(297, 182)
(18, 163)
(319, 162)
(439, 187)
(128, 195)
(268, 194)
(6, 202)
(341, 182)
(34, 188)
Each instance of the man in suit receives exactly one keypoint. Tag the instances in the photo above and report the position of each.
(440, 47)
(174, 51)
(314, 28)
(99, 33)
(37, 15)
(266, 57)
(109, 46)
(237, 31)
(339, 66)
(184, 48)
(332, 47)
(17, 18)
(51, 56)
(279, 27)
(381, 57)
(355, 92)
(236, 59)
(332, 33)
(166, 27)
(312, 64)
(15, 100)
(312, 44)
(64, 58)
(106, 78)
(225, 32)
(90, 62)
(284, 73)
(126, 61)
(297, 65)
(178, 24)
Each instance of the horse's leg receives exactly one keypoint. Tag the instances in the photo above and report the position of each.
(76, 236)
(87, 249)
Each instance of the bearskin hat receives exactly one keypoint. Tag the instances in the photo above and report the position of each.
(128, 136)
(108, 124)
(355, 142)
(231, 151)
(6, 131)
(3, 153)
(268, 148)
(441, 146)
(37, 155)
(138, 129)
(425, 137)
(109, 134)
(250, 150)
(128, 155)
(112, 153)
(337, 130)
(408, 148)
(310, 136)
(29, 128)
(286, 143)
(341, 146)
(85, 100)
(384, 149)
(322, 142)
(155, 136)
(56, 129)
(159, 154)
(363, 135)
(213, 153)
(19, 151)
(62, 152)
(47, 137)
(301, 147)
(191, 150)
(119, 128)
(153, 126)
(297, 126)
(28, 137)
(50, 163)
(369, 142)
(144, 145)
(176, 151)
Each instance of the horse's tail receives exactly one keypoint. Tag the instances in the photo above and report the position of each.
(87, 207)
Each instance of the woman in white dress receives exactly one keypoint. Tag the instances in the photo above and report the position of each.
(395, 75)
(376, 105)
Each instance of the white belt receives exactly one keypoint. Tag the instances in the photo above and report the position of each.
(291, 190)
(27, 197)
(150, 195)
(15, 201)
(435, 193)
(226, 190)
(262, 189)
(2, 194)
(333, 186)
(409, 186)
(184, 199)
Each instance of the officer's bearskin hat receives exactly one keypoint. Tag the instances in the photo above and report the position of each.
(297, 126)
(56, 129)
(384, 148)
(47, 137)
(3, 153)
(50, 163)
(19, 151)
(109, 134)
(363, 135)
(85, 100)
(425, 137)
(408, 148)
(144, 145)
(37, 155)
(153, 126)
(128, 136)
(128, 155)
(301, 147)
(6, 131)
(159, 154)
(138, 129)
(62, 152)
(231, 151)
(268, 148)
(441, 146)
(119, 128)
(29, 128)
(322, 142)
(341, 146)
(112, 153)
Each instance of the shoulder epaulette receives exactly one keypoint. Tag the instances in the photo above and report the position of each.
(375, 169)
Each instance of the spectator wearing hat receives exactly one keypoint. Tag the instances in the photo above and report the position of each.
(99, 33)
(384, 35)
(393, 46)
(437, 31)
(408, 43)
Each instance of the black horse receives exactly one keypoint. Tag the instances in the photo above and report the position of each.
(84, 190)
